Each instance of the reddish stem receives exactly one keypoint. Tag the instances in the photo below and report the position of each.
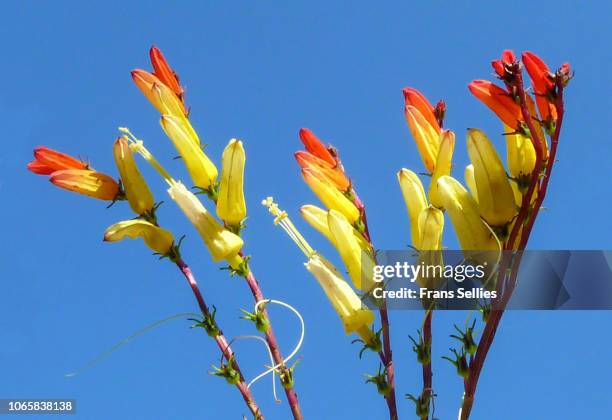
(427, 371)
(258, 296)
(221, 341)
(386, 355)
(524, 224)
(551, 160)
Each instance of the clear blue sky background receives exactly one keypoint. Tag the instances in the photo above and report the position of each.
(259, 72)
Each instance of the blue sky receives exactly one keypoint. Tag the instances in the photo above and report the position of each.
(259, 72)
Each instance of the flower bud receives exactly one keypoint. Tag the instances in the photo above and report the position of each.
(520, 155)
(357, 260)
(90, 183)
(332, 174)
(426, 136)
(136, 190)
(317, 218)
(201, 169)
(541, 76)
(495, 196)
(158, 239)
(231, 207)
(415, 199)
(316, 147)
(431, 225)
(161, 96)
(329, 195)
(472, 232)
(443, 165)
(164, 72)
(46, 161)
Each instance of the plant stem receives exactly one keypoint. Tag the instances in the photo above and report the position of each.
(386, 355)
(427, 371)
(221, 341)
(258, 296)
(523, 224)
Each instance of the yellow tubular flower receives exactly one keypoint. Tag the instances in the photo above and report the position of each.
(317, 218)
(167, 102)
(443, 165)
(431, 225)
(470, 181)
(427, 138)
(201, 169)
(221, 243)
(158, 239)
(495, 196)
(521, 155)
(358, 262)
(330, 196)
(415, 199)
(344, 299)
(137, 192)
(231, 207)
(472, 232)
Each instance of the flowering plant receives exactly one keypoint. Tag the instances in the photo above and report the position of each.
(496, 212)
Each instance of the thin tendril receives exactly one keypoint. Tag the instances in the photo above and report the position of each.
(126, 340)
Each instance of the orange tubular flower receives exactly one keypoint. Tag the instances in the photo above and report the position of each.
(498, 101)
(424, 123)
(543, 85)
(90, 183)
(163, 98)
(316, 147)
(46, 161)
(334, 175)
(164, 72)
(416, 99)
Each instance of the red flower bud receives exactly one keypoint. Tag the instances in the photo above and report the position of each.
(316, 146)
